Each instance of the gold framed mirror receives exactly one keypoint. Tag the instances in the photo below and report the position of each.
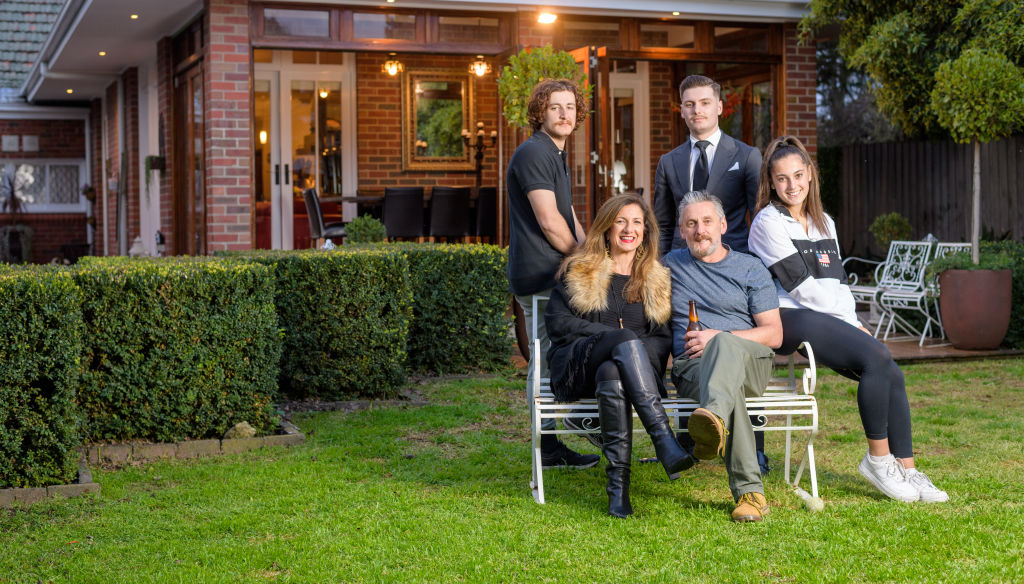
(436, 107)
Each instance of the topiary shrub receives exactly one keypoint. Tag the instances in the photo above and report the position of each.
(345, 317)
(460, 294)
(177, 347)
(528, 68)
(40, 368)
(888, 228)
(365, 229)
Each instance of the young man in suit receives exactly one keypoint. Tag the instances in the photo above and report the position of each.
(709, 160)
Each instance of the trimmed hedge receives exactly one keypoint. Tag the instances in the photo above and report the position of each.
(345, 316)
(40, 349)
(177, 348)
(460, 295)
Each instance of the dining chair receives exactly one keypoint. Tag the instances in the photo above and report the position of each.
(487, 214)
(318, 231)
(449, 212)
(403, 212)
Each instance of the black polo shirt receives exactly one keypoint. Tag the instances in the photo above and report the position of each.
(537, 164)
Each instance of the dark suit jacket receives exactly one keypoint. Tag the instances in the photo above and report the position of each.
(737, 187)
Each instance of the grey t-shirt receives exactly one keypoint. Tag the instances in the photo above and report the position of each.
(728, 293)
(537, 164)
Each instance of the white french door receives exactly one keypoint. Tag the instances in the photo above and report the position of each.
(305, 138)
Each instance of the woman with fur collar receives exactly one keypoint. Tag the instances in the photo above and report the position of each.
(608, 321)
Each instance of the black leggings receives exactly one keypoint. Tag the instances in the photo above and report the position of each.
(850, 352)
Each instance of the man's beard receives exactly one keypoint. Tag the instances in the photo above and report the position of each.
(700, 254)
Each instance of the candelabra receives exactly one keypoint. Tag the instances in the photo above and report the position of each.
(480, 146)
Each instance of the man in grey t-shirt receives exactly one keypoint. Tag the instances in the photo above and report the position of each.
(732, 357)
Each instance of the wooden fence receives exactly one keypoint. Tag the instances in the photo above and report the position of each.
(929, 183)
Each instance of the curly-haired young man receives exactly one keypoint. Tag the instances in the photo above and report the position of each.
(543, 227)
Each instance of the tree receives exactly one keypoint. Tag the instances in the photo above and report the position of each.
(977, 98)
(900, 44)
(942, 67)
(847, 113)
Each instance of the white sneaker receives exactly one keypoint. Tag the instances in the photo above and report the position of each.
(928, 491)
(890, 477)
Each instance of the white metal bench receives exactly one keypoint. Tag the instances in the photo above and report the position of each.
(788, 405)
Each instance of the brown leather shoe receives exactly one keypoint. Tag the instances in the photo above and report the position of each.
(752, 507)
(708, 433)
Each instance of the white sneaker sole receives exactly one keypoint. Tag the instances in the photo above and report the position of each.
(905, 497)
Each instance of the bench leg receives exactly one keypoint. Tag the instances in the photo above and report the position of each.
(808, 463)
(537, 484)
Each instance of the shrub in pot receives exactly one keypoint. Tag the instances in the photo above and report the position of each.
(975, 299)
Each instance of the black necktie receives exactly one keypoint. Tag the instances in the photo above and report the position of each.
(700, 170)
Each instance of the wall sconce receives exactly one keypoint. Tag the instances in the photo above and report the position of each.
(392, 66)
(479, 67)
(324, 93)
(263, 136)
(546, 17)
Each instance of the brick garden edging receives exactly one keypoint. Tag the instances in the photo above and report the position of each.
(124, 453)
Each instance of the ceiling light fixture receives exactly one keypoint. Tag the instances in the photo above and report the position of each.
(134, 17)
(69, 91)
(392, 66)
(324, 93)
(479, 67)
(546, 18)
(676, 13)
(103, 53)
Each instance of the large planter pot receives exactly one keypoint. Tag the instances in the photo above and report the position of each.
(975, 307)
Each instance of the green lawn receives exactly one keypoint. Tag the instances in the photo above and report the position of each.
(438, 493)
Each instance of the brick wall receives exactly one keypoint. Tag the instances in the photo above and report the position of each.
(106, 211)
(228, 126)
(51, 231)
(379, 103)
(663, 113)
(165, 93)
(57, 138)
(130, 81)
(801, 83)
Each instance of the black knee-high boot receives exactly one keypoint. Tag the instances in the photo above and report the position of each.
(617, 444)
(641, 385)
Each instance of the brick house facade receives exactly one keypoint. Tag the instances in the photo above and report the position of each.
(204, 126)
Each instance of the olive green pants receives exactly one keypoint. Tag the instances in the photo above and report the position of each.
(730, 370)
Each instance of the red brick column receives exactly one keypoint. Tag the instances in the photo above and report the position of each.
(106, 211)
(228, 126)
(133, 188)
(801, 79)
(165, 96)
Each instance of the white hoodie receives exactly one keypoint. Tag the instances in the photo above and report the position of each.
(806, 267)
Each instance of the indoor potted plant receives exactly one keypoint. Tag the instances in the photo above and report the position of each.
(977, 97)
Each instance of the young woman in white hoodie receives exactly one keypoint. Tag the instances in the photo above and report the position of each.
(797, 241)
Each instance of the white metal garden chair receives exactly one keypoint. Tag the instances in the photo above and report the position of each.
(903, 289)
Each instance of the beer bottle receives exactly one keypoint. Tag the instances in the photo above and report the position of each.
(694, 322)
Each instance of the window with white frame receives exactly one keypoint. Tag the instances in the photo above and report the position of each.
(44, 185)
